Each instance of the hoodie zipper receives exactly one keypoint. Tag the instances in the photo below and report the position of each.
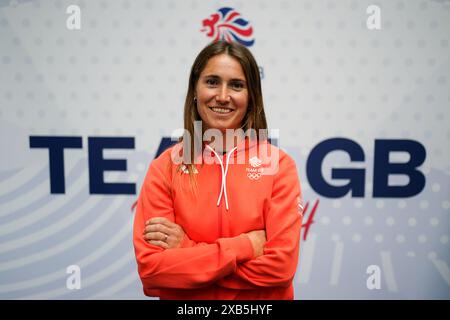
(220, 208)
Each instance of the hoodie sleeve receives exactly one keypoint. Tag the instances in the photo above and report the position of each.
(183, 268)
(278, 264)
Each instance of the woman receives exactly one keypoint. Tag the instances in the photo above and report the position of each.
(245, 244)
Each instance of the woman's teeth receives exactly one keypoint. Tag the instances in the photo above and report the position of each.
(221, 110)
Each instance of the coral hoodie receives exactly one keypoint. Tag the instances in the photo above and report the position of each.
(237, 193)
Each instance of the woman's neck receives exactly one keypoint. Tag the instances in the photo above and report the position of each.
(227, 143)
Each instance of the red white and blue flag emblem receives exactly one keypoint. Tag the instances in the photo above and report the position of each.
(227, 24)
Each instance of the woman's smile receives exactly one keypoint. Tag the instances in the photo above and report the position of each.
(221, 110)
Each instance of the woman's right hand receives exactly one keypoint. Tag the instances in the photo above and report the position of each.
(258, 239)
(163, 233)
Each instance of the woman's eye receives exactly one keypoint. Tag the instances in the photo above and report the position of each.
(211, 82)
(237, 85)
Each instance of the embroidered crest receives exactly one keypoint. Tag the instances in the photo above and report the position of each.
(186, 171)
(255, 162)
(254, 173)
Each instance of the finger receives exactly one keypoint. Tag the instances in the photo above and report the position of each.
(163, 221)
(155, 236)
(159, 244)
(158, 228)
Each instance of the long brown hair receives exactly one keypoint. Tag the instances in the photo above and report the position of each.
(254, 118)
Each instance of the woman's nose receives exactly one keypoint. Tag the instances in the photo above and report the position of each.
(223, 96)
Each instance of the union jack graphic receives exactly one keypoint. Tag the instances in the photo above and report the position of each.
(227, 24)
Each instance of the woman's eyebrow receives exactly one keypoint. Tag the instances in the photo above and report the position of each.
(214, 76)
(238, 79)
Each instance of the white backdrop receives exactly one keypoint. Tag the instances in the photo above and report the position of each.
(124, 74)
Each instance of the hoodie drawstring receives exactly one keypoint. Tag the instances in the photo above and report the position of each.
(223, 188)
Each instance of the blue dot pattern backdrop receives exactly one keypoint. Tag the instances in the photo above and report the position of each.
(359, 91)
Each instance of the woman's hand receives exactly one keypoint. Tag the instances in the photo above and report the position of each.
(258, 239)
(163, 233)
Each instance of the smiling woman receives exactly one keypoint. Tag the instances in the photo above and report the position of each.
(221, 93)
(224, 92)
(244, 245)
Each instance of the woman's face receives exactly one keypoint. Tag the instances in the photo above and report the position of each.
(222, 95)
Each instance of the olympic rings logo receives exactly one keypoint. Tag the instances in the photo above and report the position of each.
(253, 175)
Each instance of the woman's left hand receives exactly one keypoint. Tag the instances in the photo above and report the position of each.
(163, 233)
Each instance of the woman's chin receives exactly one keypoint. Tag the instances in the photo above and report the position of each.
(221, 125)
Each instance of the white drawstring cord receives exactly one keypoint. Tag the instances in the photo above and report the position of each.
(225, 176)
(221, 170)
(223, 188)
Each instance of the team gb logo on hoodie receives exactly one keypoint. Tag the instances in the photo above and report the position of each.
(254, 173)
